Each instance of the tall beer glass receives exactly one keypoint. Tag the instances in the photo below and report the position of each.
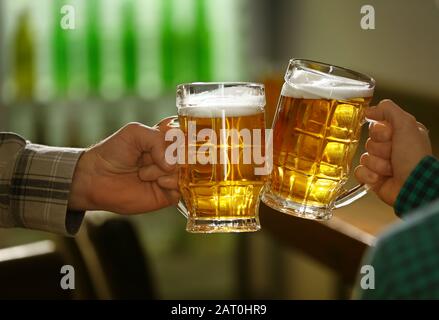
(221, 123)
(316, 132)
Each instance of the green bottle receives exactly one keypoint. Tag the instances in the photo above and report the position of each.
(186, 40)
(150, 82)
(129, 47)
(21, 111)
(57, 131)
(92, 121)
(93, 43)
(184, 60)
(168, 45)
(226, 35)
(60, 53)
(24, 60)
(130, 106)
(203, 38)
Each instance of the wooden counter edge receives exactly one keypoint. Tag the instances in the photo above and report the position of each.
(335, 243)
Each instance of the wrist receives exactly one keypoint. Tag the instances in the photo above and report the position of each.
(80, 197)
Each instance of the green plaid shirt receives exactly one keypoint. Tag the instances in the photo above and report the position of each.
(406, 258)
(35, 183)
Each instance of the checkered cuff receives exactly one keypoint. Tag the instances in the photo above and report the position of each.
(35, 186)
(421, 187)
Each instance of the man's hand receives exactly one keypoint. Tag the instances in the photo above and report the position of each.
(126, 173)
(396, 145)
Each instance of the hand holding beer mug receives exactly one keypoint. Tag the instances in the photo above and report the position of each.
(316, 131)
(220, 148)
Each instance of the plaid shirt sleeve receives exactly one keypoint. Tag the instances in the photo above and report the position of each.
(421, 187)
(35, 183)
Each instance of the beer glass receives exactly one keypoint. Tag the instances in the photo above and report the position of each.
(218, 180)
(316, 131)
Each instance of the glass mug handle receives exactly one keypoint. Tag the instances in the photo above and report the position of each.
(172, 122)
(351, 195)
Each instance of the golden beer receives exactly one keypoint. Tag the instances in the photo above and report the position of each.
(316, 132)
(314, 143)
(224, 132)
(222, 190)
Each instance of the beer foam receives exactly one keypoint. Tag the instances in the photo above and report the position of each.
(229, 102)
(307, 84)
(220, 111)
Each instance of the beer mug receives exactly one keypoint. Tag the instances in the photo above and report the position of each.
(218, 176)
(316, 131)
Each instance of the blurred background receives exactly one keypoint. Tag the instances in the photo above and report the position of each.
(122, 62)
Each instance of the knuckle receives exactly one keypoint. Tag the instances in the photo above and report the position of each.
(133, 126)
(386, 102)
(141, 174)
(410, 121)
(381, 166)
(391, 106)
(413, 119)
(380, 132)
(385, 135)
(372, 176)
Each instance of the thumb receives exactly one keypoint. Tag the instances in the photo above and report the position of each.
(388, 111)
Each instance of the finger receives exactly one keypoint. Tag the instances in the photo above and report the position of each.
(173, 196)
(168, 182)
(387, 110)
(380, 166)
(151, 173)
(380, 132)
(366, 176)
(377, 185)
(423, 129)
(379, 149)
(421, 126)
(165, 124)
(146, 159)
(150, 140)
